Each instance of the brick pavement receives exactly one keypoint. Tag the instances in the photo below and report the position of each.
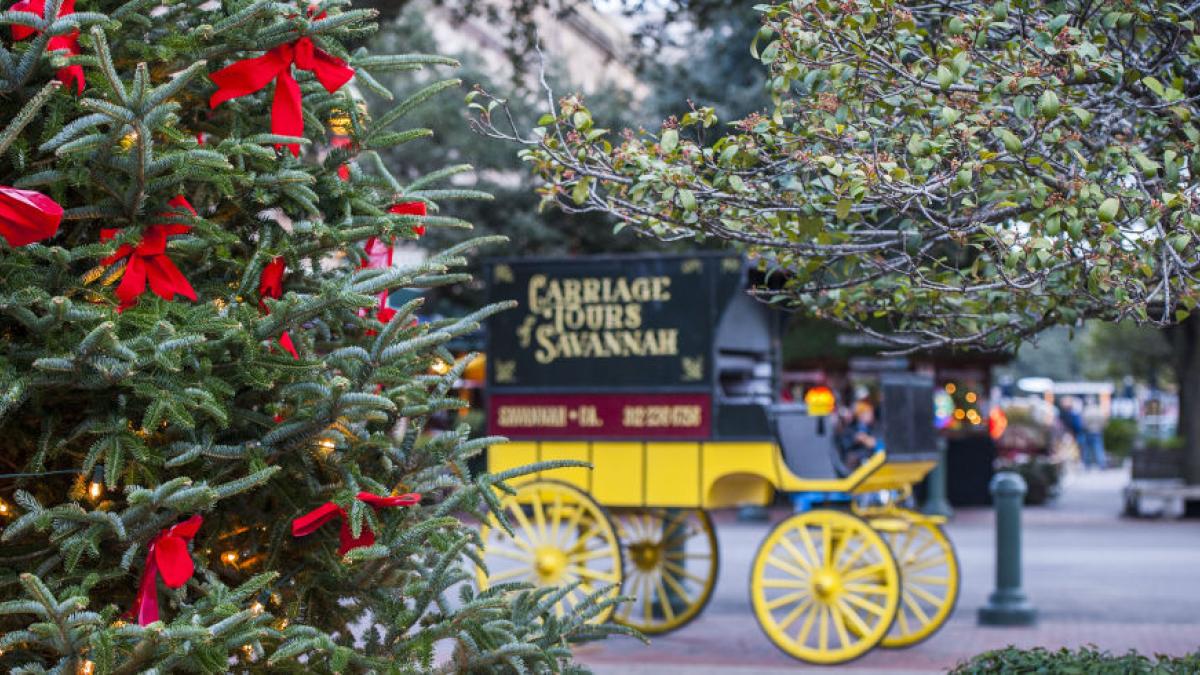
(1095, 578)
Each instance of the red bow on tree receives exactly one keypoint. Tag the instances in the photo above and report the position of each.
(27, 216)
(411, 209)
(71, 75)
(167, 555)
(313, 520)
(148, 262)
(270, 285)
(250, 75)
(339, 141)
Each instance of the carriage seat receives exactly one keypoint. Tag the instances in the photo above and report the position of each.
(807, 442)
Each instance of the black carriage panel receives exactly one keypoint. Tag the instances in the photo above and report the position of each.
(906, 416)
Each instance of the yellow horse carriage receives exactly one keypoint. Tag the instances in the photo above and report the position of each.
(659, 372)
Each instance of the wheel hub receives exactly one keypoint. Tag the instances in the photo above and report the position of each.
(550, 563)
(827, 584)
(645, 556)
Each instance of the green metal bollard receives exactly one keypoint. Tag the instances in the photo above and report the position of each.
(936, 503)
(1008, 605)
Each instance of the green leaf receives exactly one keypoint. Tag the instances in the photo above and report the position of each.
(669, 140)
(843, 208)
(1008, 139)
(946, 77)
(1108, 209)
(1048, 105)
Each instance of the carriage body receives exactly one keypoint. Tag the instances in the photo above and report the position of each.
(659, 373)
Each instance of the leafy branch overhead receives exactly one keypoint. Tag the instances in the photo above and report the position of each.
(967, 173)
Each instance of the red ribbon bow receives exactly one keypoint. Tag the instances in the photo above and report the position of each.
(250, 75)
(167, 555)
(148, 261)
(27, 216)
(313, 520)
(411, 209)
(71, 75)
(339, 141)
(270, 285)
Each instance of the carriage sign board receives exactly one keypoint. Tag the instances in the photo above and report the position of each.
(605, 347)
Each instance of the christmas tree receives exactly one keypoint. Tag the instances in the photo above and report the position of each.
(214, 452)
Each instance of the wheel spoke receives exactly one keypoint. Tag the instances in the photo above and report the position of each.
(805, 563)
(839, 625)
(823, 628)
(586, 556)
(902, 619)
(866, 589)
(581, 542)
(861, 572)
(860, 626)
(680, 572)
(878, 610)
(826, 544)
(509, 574)
(584, 572)
(858, 552)
(676, 586)
(791, 616)
(572, 524)
(647, 600)
(808, 544)
(922, 565)
(663, 600)
(926, 580)
(924, 595)
(519, 512)
(539, 515)
(786, 567)
(784, 583)
(785, 599)
(556, 517)
(918, 613)
(806, 627)
(689, 555)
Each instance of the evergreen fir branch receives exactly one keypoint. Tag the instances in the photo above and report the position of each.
(27, 114)
(394, 62)
(107, 68)
(256, 479)
(439, 175)
(413, 101)
(395, 138)
(365, 79)
(240, 19)
(132, 8)
(159, 95)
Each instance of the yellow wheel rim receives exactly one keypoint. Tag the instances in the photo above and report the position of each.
(824, 587)
(670, 565)
(929, 583)
(560, 536)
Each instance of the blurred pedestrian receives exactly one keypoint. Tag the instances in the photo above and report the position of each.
(1091, 439)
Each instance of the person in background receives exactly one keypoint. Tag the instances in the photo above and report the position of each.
(856, 433)
(1091, 436)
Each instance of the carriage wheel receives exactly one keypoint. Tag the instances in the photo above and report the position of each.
(670, 563)
(929, 583)
(824, 586)
(560, 536)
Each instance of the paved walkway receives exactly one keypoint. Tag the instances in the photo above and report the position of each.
(1095, 578)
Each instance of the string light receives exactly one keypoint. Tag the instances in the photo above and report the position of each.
(959, 413)
(257, 608)
(230, 558)
(972, 397)
(86, 667)
(326, 446)
(248, 650)
(5, 509)
(440, 367)
(950, 388)
(96, 487)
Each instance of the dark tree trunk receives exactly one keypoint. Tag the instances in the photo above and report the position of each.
(1185, 345)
